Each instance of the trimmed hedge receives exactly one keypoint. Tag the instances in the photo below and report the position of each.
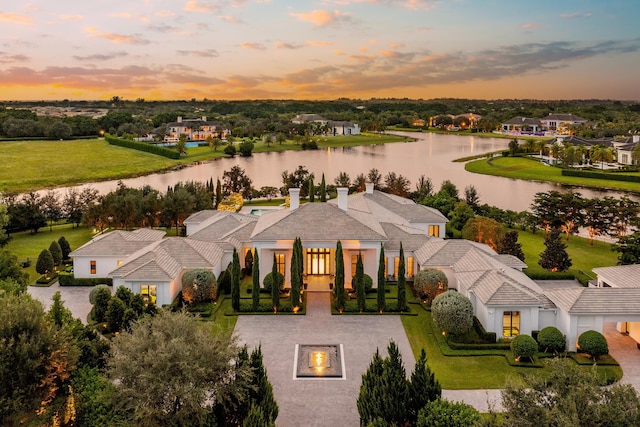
(142, 146)
(66, 279)
(47, 281)
(601, 175)
(548, 275)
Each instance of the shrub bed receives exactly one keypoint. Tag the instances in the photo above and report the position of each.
(48, 281)
(67, 279)
(548, 275)
(142, 146)
(601, 175)
(267, 307)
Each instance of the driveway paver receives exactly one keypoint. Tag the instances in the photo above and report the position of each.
(76, 298)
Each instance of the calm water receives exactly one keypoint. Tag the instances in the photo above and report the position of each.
(430, 155)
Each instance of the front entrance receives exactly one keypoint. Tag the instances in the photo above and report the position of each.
(318, 261)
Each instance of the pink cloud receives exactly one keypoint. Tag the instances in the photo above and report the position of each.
(323, 18)
(230, 19)
(71, 17)
(531, 26)
(253, 46)
(202, 7)
(118, 38)
(126, 15)
(16, 18)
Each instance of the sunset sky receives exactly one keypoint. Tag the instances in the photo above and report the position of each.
(324, 49)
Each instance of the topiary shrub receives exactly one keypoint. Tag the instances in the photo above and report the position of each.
(593, 343)
(102, 298)
(429, 283)
(224, 282)
(96, 290)
(441, 412)
(551, 340)
(198, 285)
(524, 346)
(268, 281)
(368, 283)
(453, 313)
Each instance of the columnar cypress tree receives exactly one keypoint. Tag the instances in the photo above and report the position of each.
(218, 193)
(402, 296)
(369, 400)
(275, 288)
(359, 279)
(339, 278)
(381, 281)
(323, 190)
(65, 247)
(45, 263)
(255, 290)
(423, 387)
(262, 394)
(554, 257)
(56, 252)
(295, 275)
(312, 191)
(396, 395)
(235, 281)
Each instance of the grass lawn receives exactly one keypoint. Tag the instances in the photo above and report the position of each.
(534, 170)
(584, 257)
(25, 245)
(32, 165)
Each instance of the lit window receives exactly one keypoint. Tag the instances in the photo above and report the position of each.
(93, 266)
(434, 230)
(119, 262)
(396, 265)
(511, 323)
(148, 293)
(280, 263)
(354, 262)
(386, 263)
(410, 266)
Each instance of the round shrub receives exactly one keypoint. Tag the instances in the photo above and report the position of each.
(551, 340)
(453, 313)
(524, 346)
(102, 298)
(428, 283)
(441, 412)
(268, 281)
(96, 290)
(198, 285)
(593, 343)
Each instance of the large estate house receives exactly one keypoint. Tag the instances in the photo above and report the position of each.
(505, 300)
(333, 127)
(623, 147)
(554, 123)
(195, 130)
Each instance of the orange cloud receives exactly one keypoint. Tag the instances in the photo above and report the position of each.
(201, 7)
(164, 14)
(118, 38)
(126, 15)
(322, 18)
(229, 19)
(253, 46)
(15, 18)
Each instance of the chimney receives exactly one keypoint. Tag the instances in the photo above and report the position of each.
(204, 118)
(179, 119)
(369, 187)
(342, 197)
(636, 138)
(294, 199)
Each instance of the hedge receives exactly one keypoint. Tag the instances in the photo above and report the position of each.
(548, 275)
(66, 279)
(47, 281)
(142, 146)
(601, 175)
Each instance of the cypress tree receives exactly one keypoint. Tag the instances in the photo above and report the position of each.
(423, 387)
(218, 193)
(323, 190)
(359, 279)
(402, 296)
(554, 257)
(396, 387)
(255, 290)
(275, 287)
(56, 253)
(339, 278)
(65, 247)
(295, 275)
(312, 191)
(262, 393)
(381, 281)
(45, 263)
(369, 401)
(235, 281)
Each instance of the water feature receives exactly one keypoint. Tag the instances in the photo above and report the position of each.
(430, 155)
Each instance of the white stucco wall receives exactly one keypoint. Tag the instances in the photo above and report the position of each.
(104, 266)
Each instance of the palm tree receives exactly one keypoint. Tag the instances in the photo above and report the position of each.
(555, 151)
(602, 154)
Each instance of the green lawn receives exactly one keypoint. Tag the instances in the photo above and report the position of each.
(32, 165)
(534, 170)
(25, 245)
(583, 256)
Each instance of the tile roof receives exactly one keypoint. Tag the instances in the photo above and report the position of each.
(564, 117)
(411, 238)
(216, 227)
(440, 252)
(594, 301)
(522, 121)
(620, 276)
(406, 208)
(118, 242)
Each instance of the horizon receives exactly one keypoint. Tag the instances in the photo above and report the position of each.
(243, 50)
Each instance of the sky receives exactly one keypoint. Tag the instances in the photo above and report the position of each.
(323, 49)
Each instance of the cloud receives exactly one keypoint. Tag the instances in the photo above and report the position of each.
(323, 18)
(406, 4)
(118, 38)
(15, 18)
(126, 15)
(101, 56)
(575, 15)
(204, 53)
(294, 46)
(71, 17)
(164, 14)
(253, 46)
(230, 19)
(164, 28)
(530, 26)
(8, 58)
(202, 7)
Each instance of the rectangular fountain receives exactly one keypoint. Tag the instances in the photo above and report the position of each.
(318, 361)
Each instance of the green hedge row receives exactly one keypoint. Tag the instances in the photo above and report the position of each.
(47, 281)
(601, 175)
(549, 275)
(142, 146)
(68, 279)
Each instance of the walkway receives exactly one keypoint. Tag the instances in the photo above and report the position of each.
(625, 350)
(75, 298)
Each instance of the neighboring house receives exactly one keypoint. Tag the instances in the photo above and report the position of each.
(624, 149)
(522, 125)
(195, 130)
(419, 123)
(105, 252)
(561, 122)
(554, 123)
(337, 127)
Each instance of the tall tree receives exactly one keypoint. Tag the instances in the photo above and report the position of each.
(509, 245)
(56, 253)
(4, 221)
(340, 297)
(629, 248)
(597, 217)
(402, 296)
(51, 208)
(323, 190)
(295, 275)
(45, 264)
(359, 285)
(423, 387)
(275, 287)
(554, 257)
(218, 193)
(312, 191)
(381, 281)
(262, 392)
(255, 287)
(235, 281)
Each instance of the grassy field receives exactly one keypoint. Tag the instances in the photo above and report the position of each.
(33, 165)
(25, 245)
(534, 170)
